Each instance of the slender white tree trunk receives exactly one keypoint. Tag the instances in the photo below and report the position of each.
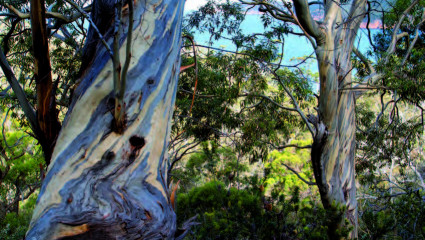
(333, 149)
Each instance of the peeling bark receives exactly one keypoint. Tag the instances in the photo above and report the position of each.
(47, 115)
(104, 185)
(333, 149)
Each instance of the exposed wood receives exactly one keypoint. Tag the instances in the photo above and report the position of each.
(47, 115)
(173, 195)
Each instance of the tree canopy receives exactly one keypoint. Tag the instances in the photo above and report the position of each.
(246, 145)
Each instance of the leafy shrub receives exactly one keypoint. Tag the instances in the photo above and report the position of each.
(247, 214)
(14, 226)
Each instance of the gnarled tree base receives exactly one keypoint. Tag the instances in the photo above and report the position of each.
(104, 185)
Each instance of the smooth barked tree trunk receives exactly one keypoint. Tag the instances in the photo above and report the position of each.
(104, 185)
(333, 149)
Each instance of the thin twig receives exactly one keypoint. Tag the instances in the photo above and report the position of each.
(85, 14)
(269, 99)
(196, 70)
(128, 47)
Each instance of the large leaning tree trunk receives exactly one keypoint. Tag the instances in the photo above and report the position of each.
(107, 185)
(333, 149)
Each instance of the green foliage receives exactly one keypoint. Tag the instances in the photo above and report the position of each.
(20, 163)
(14, 226)
(279, 178)
(288, 212)
(246, 214)
(214, 162)
(65, 49)
(401, 218)
(237, 114)
(224, 213)
(388, 165)
(211, 162)
(237, 117)
(408, 79)
(216, 18)
(236, 97)
(234, 94)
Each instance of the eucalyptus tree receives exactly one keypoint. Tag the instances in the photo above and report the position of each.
(332, 31)
(332, 35)
(107, 172)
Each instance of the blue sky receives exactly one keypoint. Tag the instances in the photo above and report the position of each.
(295, 46)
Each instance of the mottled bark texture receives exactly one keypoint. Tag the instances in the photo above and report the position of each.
(333, 149)
(104, 185)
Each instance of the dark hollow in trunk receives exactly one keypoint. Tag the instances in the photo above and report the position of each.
(104, 185)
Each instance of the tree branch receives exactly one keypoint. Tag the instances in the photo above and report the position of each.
(196, 70)
(128, 47)
(302, 28)
(364, 60)
(49, 14)
(306, 20)
(299, 176)
(6, 38)
(295, 103)
(292, 145)
(415, 39)
(47, 115)
(396, 36)
(20, 94)
(84, 13)
(185, 228)
(178, 158)
(269, 99)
